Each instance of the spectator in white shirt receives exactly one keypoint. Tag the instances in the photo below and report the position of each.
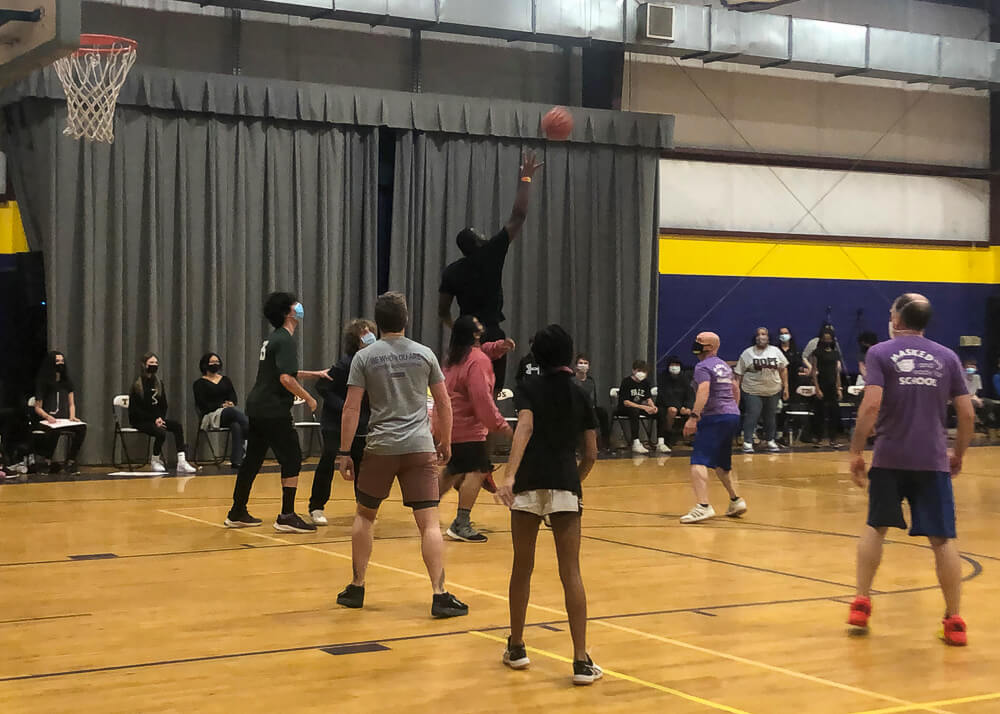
(762, 375)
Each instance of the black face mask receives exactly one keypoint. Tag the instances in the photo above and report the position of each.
(214, 368)
(60, 369)
(697, 348)
(152, 369)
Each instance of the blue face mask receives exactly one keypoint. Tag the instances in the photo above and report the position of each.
(970, 370)
(299, 312)
(368, 339)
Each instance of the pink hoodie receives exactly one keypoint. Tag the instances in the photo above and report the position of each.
(470, 386)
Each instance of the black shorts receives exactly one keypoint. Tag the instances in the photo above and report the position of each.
(932, 505)
(469, 457)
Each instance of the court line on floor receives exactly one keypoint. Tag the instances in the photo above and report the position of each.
(625, 677)
(22, 620)
(940, 703)
(621, 628)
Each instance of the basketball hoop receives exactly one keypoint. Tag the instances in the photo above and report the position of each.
(92, 77)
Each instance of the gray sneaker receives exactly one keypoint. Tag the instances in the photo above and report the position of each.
(465, 532)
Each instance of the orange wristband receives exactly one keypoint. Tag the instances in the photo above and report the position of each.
(526, 179)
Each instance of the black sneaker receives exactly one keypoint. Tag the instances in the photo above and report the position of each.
(586, 672)
(447, 605)
(55, 467)
(72, 468)
(244, 520)
(352, 596)
(515, 656)
(465, 532)
(292, 523)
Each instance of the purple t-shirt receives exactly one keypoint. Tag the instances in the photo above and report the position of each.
(919, 377)
(720, 394)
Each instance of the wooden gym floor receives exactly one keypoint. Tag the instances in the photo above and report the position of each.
(128, 596)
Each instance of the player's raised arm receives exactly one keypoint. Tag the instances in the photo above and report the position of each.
(529, 165)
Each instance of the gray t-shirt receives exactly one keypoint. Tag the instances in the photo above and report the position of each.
(760, 370)
(396, 374)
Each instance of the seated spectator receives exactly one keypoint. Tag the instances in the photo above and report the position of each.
(358, 334)
(762, 376)
(55, 399)
(674, 397)
(635, 401)
(985, 408)
(147, 412)
(215, 399)
(582, 368)
(527, 366)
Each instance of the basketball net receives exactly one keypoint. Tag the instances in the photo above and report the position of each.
(92, 77)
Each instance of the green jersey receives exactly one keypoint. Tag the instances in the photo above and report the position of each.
(278, 355)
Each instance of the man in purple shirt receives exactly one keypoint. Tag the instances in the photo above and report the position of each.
(715, 419)
(909, 382)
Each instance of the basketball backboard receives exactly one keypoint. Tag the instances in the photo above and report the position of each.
(35, 33)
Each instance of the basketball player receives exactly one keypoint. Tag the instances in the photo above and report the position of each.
(715, 419)
(269, 412)
(543, 478)
(395, 373)
(476, 279)
(909, 382)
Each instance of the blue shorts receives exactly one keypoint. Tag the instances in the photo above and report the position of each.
(932, 505)
(713, 442)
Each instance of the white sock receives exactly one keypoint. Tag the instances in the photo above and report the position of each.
(660, 440)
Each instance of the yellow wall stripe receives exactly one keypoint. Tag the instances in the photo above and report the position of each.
(12, 238)
(722, 256)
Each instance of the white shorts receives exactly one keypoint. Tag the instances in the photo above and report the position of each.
(544, 501)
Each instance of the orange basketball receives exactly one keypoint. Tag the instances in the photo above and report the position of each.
(557, 124)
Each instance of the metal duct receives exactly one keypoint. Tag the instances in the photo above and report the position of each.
(704, 32)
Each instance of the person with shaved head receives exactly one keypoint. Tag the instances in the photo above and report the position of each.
(714, 421)
(910, 381)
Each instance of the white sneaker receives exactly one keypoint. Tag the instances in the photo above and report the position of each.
(736, 508)
(662, 447)
(772, 446)
(318, 518)
(638, 448)
(747, 448)
(156, 464)
(183, 467)
(698, 513)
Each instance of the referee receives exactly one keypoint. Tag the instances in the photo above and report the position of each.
(269, 411)
(476, 279)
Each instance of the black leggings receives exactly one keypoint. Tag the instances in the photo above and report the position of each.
(633, 415)
(276, 434)
(323, 478)
(160, 435)
(828, 415)
(47, 442)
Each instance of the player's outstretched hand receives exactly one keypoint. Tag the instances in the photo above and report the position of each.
(690, 427)
(859, 473)
(345, 465)
(956, 463)
(530, 164)
(509, 345)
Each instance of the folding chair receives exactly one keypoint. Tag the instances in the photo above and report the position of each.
(305, 423)
(796, 413)
(41, 432)
(119, 409)
(217, 458)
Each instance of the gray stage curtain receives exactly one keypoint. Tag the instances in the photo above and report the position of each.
(587, 257)
(169, 239)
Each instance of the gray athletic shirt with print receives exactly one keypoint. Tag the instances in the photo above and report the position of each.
(396, 374)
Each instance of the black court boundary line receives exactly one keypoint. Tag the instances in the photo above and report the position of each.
(22, 620)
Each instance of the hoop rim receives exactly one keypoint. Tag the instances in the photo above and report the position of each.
(104, 44)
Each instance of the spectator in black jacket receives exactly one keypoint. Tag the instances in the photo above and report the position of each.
(147, 412)
(582, 368)
(635, 401)
(674, 396)
(215, 399)
(55, 399)
(358, 334)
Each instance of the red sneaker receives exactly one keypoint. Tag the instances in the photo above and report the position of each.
(861, 610)
(953, 631)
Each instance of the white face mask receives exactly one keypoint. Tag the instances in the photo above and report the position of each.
(583, 367)
(368, 339)
(785, 338)
(675, 369)
(639, 376)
